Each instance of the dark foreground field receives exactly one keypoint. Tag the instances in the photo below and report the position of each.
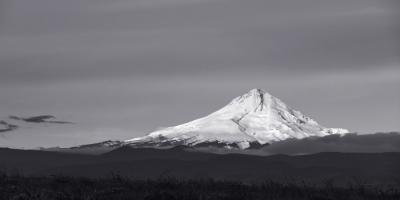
(146, 174)
(117, 187)
(143, 164)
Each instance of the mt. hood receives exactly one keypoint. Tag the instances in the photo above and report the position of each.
(248, 121)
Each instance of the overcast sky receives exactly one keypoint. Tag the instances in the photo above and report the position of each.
(123, 68)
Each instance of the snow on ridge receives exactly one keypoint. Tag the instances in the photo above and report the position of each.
(255, 116)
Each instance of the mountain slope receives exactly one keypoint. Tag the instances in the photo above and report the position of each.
(91, 149)
(253, 119)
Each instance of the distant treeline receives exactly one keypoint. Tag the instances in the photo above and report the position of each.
(118, 188)
(349, 143)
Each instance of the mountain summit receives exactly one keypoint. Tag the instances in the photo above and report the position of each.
(253, 119)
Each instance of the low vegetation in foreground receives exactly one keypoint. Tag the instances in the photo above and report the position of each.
(117, 187)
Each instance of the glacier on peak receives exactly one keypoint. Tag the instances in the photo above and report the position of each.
(253, 118)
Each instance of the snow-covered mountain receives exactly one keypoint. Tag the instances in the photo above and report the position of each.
(248, 121)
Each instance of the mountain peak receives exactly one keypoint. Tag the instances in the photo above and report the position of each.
(254, 100)
(254, 94)
(254, 117)
(257, 91)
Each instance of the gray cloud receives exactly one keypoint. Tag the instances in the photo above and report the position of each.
(40, 119)
(6, 127)
(137, 65)
(80, 39)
